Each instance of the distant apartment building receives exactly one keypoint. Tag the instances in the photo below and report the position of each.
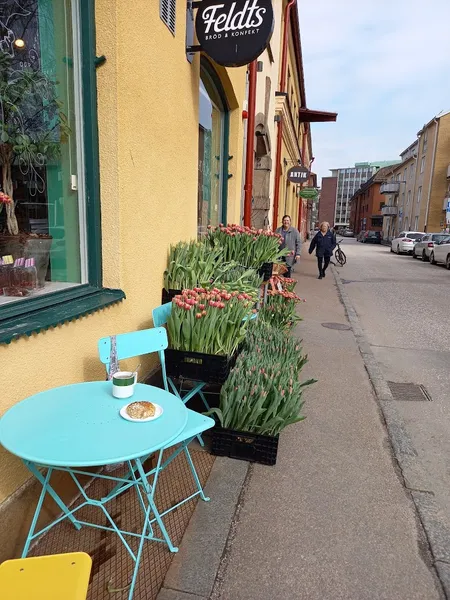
(417, 190)
(348, 180)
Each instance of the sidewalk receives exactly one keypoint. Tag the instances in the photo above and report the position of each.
(332, 520)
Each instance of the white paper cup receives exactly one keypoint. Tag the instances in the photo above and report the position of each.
(123, 384)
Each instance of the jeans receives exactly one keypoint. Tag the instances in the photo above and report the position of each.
(322, 263)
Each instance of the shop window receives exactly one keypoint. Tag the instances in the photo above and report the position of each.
(49, 236)
(213, 151)
(41, 149)
(167, 12)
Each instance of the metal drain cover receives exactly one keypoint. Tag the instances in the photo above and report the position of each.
(409, 391)
(339, 326)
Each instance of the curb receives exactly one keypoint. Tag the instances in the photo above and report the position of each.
(434, 530)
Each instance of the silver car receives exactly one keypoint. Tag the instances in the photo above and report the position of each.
(425, 246)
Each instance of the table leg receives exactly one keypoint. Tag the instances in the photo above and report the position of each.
(46, 488)
(149, 492)
(194, 472)
(51, 492)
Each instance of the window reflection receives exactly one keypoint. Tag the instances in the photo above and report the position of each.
(210, 160)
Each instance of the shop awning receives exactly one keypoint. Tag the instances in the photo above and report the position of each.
(316, 116)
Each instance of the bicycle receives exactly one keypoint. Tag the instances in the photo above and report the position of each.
(339, 255)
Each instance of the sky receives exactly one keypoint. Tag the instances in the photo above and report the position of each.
(383, 66)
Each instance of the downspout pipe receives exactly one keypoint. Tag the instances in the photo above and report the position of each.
(250, 152)
(433, 160)
(284, 57)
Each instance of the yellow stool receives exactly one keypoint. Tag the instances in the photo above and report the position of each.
(54, 577)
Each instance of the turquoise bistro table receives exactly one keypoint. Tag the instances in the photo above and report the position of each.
(76, 426)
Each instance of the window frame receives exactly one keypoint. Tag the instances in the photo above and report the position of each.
(210, 71)
(30, 315)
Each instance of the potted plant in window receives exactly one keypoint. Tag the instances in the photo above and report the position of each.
(32, 129)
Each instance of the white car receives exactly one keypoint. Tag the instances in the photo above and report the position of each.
(424, 247)
(404, 243)
(441, 254)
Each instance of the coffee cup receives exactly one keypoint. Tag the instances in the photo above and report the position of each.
(123, 384)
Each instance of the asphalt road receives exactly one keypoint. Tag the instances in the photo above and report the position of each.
(404, 308)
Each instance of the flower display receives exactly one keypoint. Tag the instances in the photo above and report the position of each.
(280, 309)
(246, 245)
(263, 393)
(4, 198)
(282, 283)
(210, 321)
(191, 264)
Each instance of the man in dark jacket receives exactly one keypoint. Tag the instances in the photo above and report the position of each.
(324, 242)
(292, 241)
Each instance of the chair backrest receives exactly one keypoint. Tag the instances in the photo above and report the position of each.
(161, 313)
(136, 343)
(51, 577)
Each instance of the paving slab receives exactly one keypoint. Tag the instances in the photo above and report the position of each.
(194, 567)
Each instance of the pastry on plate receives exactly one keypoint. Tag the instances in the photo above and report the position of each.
(141, 410)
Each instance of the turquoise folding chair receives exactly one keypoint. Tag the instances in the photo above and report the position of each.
(148, 341)
(160, 315)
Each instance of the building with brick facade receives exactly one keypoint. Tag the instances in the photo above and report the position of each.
(367, 203)
(348, 180)
(327, 202)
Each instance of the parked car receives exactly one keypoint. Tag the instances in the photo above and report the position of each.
(441, 254)
(371, 237)
(404, 243)
(423, 247)
(348, 233)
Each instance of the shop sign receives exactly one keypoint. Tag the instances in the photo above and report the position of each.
(298, 174)
(234, 33)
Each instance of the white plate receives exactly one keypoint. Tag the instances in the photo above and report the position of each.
(125, 415)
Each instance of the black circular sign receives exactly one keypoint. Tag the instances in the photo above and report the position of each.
(234, 33)
(298, 174)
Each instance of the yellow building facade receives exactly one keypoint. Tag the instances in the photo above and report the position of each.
(162, 121)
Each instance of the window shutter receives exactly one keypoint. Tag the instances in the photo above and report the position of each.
(167, 12)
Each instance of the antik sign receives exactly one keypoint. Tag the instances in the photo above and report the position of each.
(234, 33)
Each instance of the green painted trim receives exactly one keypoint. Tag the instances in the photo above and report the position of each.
(225, 174)
(50, 316)
(210, 70)
(91, 153)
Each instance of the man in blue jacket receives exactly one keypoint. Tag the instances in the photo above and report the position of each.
(324, 242)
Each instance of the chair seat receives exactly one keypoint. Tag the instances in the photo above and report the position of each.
(54, 577)
(196, 424)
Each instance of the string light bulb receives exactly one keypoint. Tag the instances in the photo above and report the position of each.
(19, 44)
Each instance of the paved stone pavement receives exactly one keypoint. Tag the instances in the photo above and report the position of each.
(332, 520)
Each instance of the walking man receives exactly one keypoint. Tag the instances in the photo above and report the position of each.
(292, 241)
(324, 242)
